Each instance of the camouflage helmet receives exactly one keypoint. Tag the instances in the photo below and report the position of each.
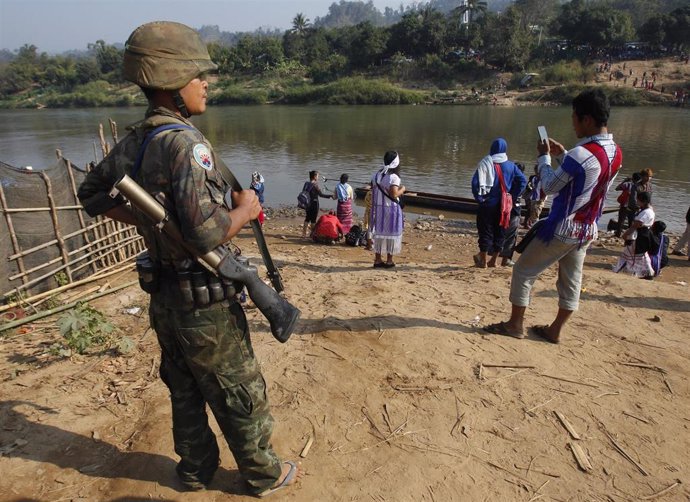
(165, 55)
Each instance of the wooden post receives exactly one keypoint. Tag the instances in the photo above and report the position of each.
(113, 130)
(105, 147)
(82, 223)
(56, 225)
(13, 235)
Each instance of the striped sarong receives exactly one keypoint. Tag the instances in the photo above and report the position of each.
(344, 213)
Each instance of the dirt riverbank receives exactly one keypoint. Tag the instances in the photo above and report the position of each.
(390, 374)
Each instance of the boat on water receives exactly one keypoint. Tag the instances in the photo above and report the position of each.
(449, 202)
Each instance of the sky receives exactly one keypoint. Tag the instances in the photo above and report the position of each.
(55, 26)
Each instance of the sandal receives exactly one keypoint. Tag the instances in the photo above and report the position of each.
(379, 264)
(388, 265)
(283, 484)
(501, 328)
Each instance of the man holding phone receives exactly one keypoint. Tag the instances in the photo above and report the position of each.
(580, 185)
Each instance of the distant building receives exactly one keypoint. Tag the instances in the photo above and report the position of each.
(465, 18)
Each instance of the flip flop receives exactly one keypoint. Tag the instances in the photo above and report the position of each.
(540, 331)
(380, 265)
(500, 328)
(388, 265)
(286, 481)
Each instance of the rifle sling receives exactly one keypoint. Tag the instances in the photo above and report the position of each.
(273, 272)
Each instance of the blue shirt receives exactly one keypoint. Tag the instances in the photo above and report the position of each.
(515, 184)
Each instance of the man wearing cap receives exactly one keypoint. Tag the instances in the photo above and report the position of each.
(207, 356)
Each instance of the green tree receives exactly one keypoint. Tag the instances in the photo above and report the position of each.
(300, 24)
(109, 60)
(598, 25)
(363, 45)
(348, 13)
(506, 44)
(653, 30)
(678, 28)
(419, 33)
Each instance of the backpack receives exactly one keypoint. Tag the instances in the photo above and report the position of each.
(304, 197)
(356, 236)
(506, 200)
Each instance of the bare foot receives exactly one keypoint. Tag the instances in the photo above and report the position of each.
(546, 333)
(478, 261)
(491, 263)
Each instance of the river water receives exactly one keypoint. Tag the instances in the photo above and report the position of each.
(439, 145)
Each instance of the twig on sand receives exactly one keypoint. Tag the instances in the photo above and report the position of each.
(644, 420)
(540, 405)
(536, 493)
(307, 447)
(616, 393)
(387, 417)
(662, 492)
(644, 366)
(569, 380)
(545, 473)
(373, 424)
(581, 457)
(508, 376)
(625, 454)
(516, 366)
(458, 417)
(373, 471)
(334, 352)
(568, 426)
(668, 385)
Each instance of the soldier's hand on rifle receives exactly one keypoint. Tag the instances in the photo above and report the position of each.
(245, 205)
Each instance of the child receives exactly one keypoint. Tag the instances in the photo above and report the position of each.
(658, 252)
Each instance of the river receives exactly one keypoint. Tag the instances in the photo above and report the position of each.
(439, 145)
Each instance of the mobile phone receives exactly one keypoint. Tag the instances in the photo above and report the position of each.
(542, 134)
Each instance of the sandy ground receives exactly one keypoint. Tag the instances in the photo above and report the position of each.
(391, 376)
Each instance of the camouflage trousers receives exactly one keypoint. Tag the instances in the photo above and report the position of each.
(207, 358)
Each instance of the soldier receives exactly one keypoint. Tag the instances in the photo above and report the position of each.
(207, 355)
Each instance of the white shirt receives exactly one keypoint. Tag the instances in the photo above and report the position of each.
(646, 217)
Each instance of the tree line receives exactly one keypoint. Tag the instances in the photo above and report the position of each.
(436, 41)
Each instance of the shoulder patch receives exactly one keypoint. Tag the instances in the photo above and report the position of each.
(202, 156)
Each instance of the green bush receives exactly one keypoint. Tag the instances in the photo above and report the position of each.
(83, 327)
(236, 95)
(352, 91)
(565, 72)
(618, 96)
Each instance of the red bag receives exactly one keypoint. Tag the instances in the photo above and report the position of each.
(506, 200)
(623, 198)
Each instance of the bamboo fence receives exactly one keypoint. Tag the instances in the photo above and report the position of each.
(99, 245)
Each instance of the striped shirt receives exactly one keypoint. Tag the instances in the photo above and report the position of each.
(575, 183)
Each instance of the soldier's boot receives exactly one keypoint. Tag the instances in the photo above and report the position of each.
(198, 478)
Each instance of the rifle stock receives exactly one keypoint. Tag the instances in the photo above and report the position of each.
(281, 315)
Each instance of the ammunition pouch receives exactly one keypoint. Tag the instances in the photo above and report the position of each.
(200, 288)
(149, 273)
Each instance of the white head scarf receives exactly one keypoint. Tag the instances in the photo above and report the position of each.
(394, 163)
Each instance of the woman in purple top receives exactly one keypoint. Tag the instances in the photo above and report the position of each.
(386, 219)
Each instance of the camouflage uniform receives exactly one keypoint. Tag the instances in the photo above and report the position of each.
(207, 356)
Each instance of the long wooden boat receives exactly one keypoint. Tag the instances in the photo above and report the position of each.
(449, 202)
